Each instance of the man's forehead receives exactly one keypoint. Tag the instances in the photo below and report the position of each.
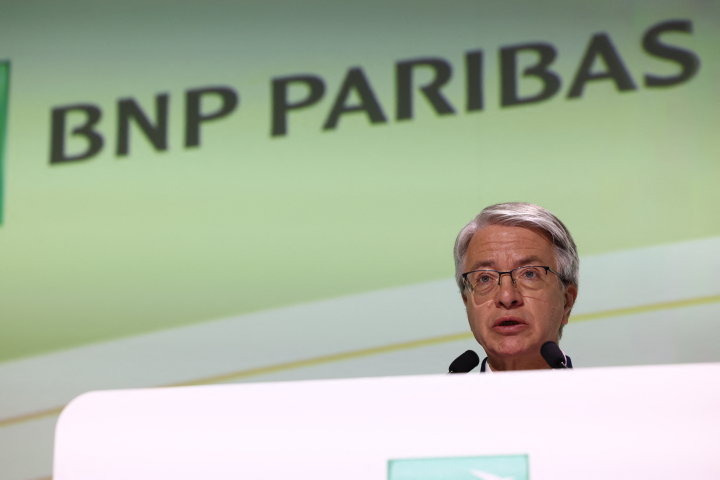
(500, 243)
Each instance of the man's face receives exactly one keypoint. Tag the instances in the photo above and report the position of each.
(512, 325)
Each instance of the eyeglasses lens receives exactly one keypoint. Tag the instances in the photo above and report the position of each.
(484, 282)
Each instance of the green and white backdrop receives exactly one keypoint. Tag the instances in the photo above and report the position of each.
(207, 192)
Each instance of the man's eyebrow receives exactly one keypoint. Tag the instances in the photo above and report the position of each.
(483, 264)
(490, 264)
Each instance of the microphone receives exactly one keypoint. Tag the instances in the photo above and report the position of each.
(465, 362)
(553, 355)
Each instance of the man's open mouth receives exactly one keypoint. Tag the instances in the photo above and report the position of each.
(509, 323)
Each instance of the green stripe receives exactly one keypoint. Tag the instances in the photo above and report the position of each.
(4, 90)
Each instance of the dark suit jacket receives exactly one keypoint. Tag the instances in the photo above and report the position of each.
(483, 365)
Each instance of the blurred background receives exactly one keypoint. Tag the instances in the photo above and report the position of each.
(209, 192)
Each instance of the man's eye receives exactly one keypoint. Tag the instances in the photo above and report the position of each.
(484, 279)
(531, 274)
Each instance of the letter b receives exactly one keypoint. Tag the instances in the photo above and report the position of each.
(508, 73)
(57, 139)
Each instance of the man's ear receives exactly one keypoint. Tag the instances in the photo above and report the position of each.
(464, 297)
(571, 293)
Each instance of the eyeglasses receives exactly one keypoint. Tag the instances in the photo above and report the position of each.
(483, 282)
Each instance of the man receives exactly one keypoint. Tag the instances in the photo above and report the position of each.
(517, 268)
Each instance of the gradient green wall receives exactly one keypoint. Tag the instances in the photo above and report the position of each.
(114, 246)
(327, 253)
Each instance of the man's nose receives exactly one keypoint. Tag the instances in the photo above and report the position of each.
(508, 294)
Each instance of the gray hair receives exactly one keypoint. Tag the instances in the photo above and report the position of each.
(528, 215)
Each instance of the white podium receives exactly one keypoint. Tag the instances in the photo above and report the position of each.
(658, 422)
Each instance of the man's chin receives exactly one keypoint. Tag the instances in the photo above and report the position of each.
(511, 347)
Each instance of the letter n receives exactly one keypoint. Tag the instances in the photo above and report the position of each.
(156, 134)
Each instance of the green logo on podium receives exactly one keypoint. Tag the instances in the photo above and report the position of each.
(4, 89)
(500, 467)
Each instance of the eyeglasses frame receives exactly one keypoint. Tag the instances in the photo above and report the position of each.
(469, 288)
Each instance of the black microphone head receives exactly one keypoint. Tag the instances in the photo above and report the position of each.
(553, 355)
(465, 362)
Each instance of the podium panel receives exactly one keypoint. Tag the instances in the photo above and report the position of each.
(658, 422)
